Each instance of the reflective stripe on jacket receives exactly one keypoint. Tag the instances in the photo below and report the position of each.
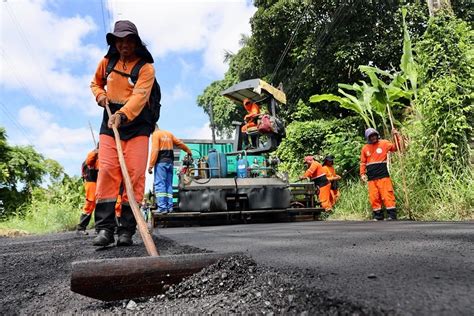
(373, 159)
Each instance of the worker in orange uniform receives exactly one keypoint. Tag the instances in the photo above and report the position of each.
(328, 166)
(315, 172)
(253, 112)
(161, 160)
(374, 171)
(90, 169)
(118, 206)
(134, 120)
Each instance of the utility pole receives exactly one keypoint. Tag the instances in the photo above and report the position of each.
(213, 128)
(435, 5)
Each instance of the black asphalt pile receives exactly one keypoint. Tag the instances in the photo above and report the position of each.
(35, 271)
(236, 285)
(225, 276)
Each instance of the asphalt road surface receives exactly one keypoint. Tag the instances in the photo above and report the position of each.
(418, 268)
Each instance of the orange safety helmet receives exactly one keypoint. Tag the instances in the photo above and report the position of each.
(308, 159)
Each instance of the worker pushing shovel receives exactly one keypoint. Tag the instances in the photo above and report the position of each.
(131, 116)
(128, 120)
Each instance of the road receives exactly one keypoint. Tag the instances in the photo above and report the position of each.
(418, 268)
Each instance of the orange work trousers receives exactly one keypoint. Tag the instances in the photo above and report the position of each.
(325, 197)
(381, 194)
(135, 151)
(89, 205)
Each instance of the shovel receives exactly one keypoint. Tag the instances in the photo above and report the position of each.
(125, 278)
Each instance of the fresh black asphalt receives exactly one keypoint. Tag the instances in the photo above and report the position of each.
(418, 268)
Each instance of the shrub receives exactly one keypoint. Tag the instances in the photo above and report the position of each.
(339, 137)
(54, 209)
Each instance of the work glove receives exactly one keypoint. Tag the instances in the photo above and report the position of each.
(102, 101)
(116, 120)
(364, 178)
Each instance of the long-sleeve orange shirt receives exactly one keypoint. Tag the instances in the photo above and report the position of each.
(253, 110)
(373, 159)
(162, 144)
(120, 88)
(316, 173)
(330, 172)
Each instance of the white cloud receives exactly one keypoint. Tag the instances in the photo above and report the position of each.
(203, 132)
(177, 94)
(53, 140)
(187, 26)
(39, 48)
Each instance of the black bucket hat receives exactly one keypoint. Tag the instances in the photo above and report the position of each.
(328, 158)
(122, 29)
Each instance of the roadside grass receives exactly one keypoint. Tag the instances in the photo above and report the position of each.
(50, 210)
(446, 199)
(43, 217)
(353, 203)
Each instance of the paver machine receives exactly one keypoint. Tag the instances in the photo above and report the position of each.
(226, 178)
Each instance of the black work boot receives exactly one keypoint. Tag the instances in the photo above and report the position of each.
(392, 214)
(103, 238)
(378, 215)
(124, 238)
(82, 226)
(127, 226)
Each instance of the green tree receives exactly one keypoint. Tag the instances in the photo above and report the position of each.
(22, 169)
(378, 98)
(442, 124)
(333, 38)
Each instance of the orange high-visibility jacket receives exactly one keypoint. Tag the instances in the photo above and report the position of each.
(316, 173)
(120, 89)
(92, 160)
(162, 143)
(373, 159)
(252, 110)
(330, 172)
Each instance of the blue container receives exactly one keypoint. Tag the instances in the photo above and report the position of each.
(242, 166)
(217, 163)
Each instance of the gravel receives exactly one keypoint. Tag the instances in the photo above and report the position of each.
(237, 285)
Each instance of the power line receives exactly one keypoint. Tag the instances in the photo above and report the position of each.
(15, 123)
(27, 43)
(322, 36)
(288, 45)
(103, 16)
(26, 90)
(109, 8)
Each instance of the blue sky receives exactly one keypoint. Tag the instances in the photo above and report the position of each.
(50, 48)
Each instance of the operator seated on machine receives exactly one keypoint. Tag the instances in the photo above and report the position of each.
(250, 129)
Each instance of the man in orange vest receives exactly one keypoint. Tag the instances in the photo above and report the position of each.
(315, 172)
(90, 169)
(328, 166)
(374, 171)
(161, 160)
(253, 112)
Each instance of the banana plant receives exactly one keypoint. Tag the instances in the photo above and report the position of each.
(379, 97)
